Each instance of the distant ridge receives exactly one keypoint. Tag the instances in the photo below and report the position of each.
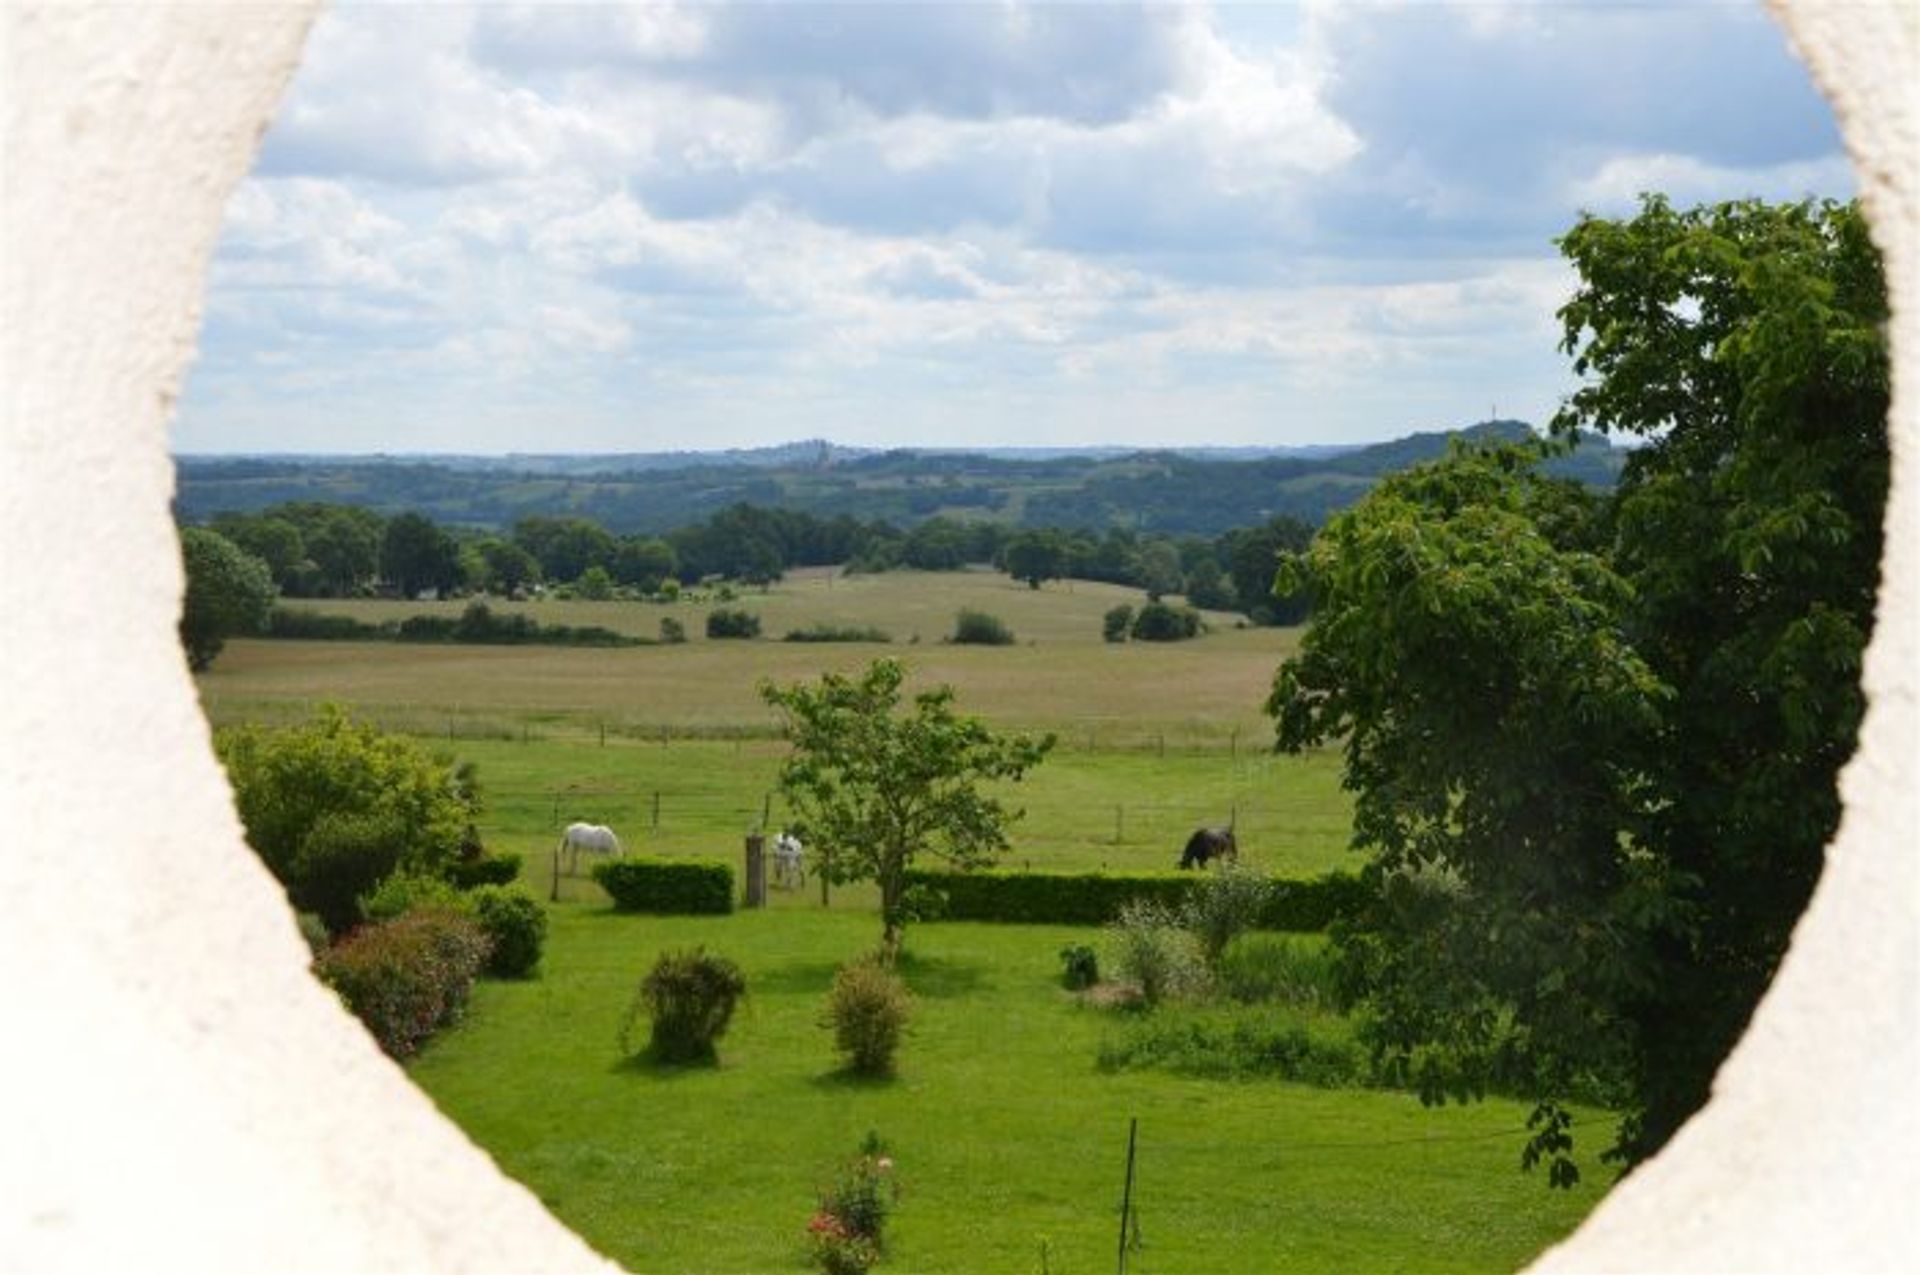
(1178, 491)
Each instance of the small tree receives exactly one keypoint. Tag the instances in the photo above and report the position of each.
(229, 591)
(878, 787)
(1036, 557)
(1116, 623)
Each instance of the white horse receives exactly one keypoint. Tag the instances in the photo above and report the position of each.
(592, 837)
(789, 862)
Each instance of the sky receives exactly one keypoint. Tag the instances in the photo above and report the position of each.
(625, 228)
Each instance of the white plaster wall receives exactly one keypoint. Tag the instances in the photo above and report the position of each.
(179, 1094)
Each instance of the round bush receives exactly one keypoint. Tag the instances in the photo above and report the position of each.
(867, 1008)
(515, 923)
(690, 997)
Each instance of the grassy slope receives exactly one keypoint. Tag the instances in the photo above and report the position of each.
(1004, 1131)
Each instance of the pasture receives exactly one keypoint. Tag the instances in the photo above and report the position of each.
(1010, 1139)
(1007, 1135)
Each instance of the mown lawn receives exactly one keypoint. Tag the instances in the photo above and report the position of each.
(1007, 1136)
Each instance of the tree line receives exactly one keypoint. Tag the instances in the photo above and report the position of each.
(317, 549)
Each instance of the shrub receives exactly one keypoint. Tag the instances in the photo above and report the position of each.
(492, 869)
(831, 633)
(294, 622)
(1279, 968)
(847, 1231)
(725, 623)
(343, 857)
(977, 628)
(1158, 622)
(670, 886)
(672, 632)
(1116, 622)
(286, 782)
(1080, 967)
(689, 998)
(405, 892)
(867, 1008)
(1237, 1044)
(313, 930)
(1224, 903)
(407, 977)
(1155, 953)
(515, 925)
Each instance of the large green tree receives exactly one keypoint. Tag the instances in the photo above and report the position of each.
(878, 785)
(229, 591)
(1594, 740)
(415, 554)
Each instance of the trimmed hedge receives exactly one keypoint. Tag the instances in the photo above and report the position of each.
(662, 885)
(1094, 898)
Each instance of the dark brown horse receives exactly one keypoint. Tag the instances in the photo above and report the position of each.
(1207, 844)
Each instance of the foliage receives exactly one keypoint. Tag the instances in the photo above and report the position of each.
(332, 805)
(978, 628)
(672, 632)
(1253, 559)
(846, 1233)
(416, 555)
(313, 930)
(1117, 623)
(408, 977)
(1079, 967)
(1286, 969)
(689, 998)
(823, 632)
(1155, 953)
(1158, 622)
(1235, 1044)
(867, 1010)
(1224, 904)
(723, 622)
(343, 856)
(1036, 557)
(878, 787)
(1632, 707)
(667, 885)
(1095, 898)
(595, 584)
(516, 928)
(405, 892)
(491, 869)
(229, 592)
(477, 625)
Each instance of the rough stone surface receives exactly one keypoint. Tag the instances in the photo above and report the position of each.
(181, 1095)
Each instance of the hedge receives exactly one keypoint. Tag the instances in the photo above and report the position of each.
(1092, 898)
(491, 869)
(660, 885)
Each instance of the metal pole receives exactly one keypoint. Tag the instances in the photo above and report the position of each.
(1126, 1197)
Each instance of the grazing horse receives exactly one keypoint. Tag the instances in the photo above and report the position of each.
(1209, 843)
(789, 862)
(591, 837)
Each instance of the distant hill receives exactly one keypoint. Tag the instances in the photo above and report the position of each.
(1201, 491)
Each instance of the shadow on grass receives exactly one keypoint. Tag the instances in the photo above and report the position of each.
(938, 978)
(655, 1066)
(844, 1078)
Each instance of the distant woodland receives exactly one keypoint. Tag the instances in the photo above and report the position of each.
(1168, 493)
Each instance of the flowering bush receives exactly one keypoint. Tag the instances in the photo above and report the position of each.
(407, 977)
(845, 1231)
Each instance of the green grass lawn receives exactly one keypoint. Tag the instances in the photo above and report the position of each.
(1292, 817)
(1006, 1134)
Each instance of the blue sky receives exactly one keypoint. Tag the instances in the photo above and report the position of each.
(541, 227)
